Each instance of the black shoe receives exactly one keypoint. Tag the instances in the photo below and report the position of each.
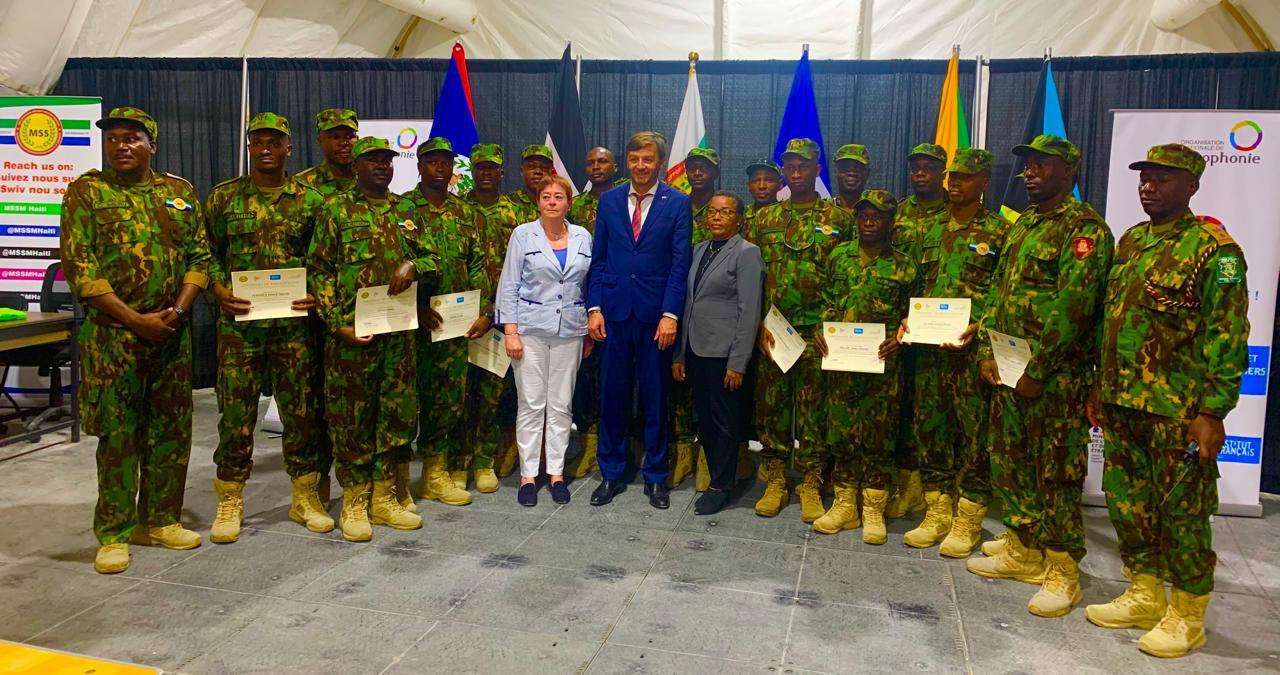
(528, 495)
(710, 502)
(604, 494)
(559, 492)
(657, 492)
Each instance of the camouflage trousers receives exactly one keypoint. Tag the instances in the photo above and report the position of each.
(862, 419)
(320, 434)
(251, 358)
(684, 427)
(492, 408)
(1159, 504)
(907, 448)
(951, 425)
(442, 396)
(1039, 455)
(136, 398)
(789, 407)
(586, 394)
(373, 405)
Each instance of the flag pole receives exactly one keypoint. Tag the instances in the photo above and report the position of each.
(693, 62)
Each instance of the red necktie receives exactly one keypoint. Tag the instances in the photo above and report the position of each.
(636, 215)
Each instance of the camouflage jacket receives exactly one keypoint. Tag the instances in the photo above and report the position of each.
(502, 217)
(457, 232)
(749, 215)
(1175, 320)
(249, 230)
(913, 218)
(700, 231)
(582, 211)
(958, 260)
(526, 208)
(140, 241)
(796, 245)
(359, 242)
(322, 179)
(876, 292)
(1048, 287)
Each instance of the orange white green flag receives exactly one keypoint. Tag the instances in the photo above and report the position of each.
(953, 126)
(691, 130)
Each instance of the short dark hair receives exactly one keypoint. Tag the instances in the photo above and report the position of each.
(642, 138)
(737, 201)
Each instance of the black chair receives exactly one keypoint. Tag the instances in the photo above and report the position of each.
(50, 359)
(10, 301)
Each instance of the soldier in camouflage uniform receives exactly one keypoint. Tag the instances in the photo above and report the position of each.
(1048, 290)
(764, 180)
(868, 281)
(264, 221)
(796, 238)
(536, 163)
(958, 250)
(702, 168)
(853, 167)
(602, 169)
(456, 231)
(134, 252)
(1174, 332)
(364, 240)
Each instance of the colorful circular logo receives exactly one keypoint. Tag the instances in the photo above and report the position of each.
(1239, 139)
(38, 132)
(413, 138)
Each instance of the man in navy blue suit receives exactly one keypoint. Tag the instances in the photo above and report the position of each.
(639, 269)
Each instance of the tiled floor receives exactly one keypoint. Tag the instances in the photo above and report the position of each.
(494, 587)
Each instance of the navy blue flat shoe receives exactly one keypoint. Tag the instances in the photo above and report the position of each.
(559, 492)
(528, 495)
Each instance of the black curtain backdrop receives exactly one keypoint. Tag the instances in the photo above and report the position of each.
(887, 105)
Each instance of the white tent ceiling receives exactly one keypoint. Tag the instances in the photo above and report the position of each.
(36, 36)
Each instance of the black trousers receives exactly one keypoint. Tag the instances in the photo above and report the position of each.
(719, 414)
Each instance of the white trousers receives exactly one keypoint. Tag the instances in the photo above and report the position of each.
(544, 387)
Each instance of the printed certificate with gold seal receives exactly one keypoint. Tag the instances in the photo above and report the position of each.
(937, 321)
(270, 292)
(853, 347)
(377, 312)
(459, 311)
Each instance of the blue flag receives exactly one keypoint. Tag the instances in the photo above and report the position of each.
(1044, 117)
(1053, 122)
(454, 119)
(800, 120)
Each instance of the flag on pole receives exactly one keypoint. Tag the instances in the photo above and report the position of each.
(800, 120)
(1044, 117)
(455, 118)
(691, 130)
(953, 125)
(565, 135)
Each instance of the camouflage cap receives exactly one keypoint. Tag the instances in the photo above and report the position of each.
(705, 153)
(932, 150)
(880, 199)
(970, 161)
(537, 150)
(435, 144)
(1050, 145)
(804, 148)
(269, 120)
(332, 118)
(486, 152)
(1174, 156)
(854, 151)
(371, 144)
(130, 114)
(763, 164)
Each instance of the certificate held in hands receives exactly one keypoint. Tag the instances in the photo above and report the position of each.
(787, 343)
(490, 352)
(270, 292)
(1011, 355)
(458, 311)
(377, 312)
(853, 347)
(937, 321)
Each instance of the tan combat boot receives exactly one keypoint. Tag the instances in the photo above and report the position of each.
(1181, 630)
(966, 530)
(354, 519)
(810, 493)
(586, 462)
(843, 514)
(775, 495)
(702, 473)
(173, 536)
(438, 486)
(385, 509)
(507, 458)
(896, 507)
(683, 456)
(111, 559)
(306, 508)
(226, 522)
(936, 523)
(1142, 605)
(1061, 590)
(995, 546)
(874, 530)
(459, 478)
(404, 495)
(486, 480)
(1014, 561)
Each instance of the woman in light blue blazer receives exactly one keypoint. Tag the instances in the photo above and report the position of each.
(541, 306)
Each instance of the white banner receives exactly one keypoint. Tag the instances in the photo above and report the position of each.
(405, 136)
(1238, 191)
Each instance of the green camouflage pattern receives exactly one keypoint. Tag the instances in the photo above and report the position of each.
(435, 144)
(332, 118)
(804, 148)
(970, 161)
(1050, 145)
(749, 216)
(537, 150)
(366, 144)
(486, 152)
(853, 151)
(582, 211)
(526, 209)
(914, 217)
(764, 163)
(704, 153)
(1173, 156)
(269, 121)
(130, 114)
(931, 150)
(880, 199)
(701, 232)
(322, 179)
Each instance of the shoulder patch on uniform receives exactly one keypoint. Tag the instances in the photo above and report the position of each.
(1229, 269)
(184, 181)
(1218, 232)
(1082, 247)
(228, 182)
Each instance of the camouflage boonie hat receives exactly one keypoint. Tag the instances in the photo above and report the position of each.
(705, 153)
(763, 164)
(435, 144)
(332, 118)
(371, 144)
(970, 161)
(932, 150)
(854, 151)
(269, 120)
(486, 152)
(130, 114)
(1174, 156)
(537, 150)
(1051, 145)
(804, 148)
(880, 199)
